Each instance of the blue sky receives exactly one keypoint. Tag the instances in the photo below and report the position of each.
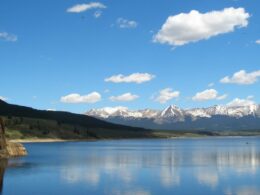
(52, 50)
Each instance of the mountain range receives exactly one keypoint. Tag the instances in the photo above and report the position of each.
(174, 118)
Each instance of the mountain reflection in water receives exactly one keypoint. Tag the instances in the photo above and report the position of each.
(182, 166)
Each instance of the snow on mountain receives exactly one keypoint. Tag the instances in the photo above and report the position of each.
(149, 113)
(211, 118)
(175, 113)
(170, 114)
(239, 111)
(122, 112)
(207, 112)
(198, 112)
(108, 111)
(172, 111)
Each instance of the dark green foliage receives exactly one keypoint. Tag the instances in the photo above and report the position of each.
(49, 124)
(61, 117)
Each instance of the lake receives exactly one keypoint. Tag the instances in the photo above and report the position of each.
(229, 166)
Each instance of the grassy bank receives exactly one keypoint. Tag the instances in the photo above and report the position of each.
(24, 128)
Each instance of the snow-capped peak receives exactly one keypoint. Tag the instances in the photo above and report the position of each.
(171, 111)
(121, 112)
(177, 114)
(107, 111)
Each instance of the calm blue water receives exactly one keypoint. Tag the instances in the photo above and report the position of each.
(138, 167)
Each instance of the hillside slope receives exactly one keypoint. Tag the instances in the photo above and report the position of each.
(24, 122)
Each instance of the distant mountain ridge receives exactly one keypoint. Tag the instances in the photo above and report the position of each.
(211, 118)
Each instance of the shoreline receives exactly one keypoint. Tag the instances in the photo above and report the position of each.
(47, 140)
(52, 140)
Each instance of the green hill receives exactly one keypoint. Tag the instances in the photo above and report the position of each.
(24, 122)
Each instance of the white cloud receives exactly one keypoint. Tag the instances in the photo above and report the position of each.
(132, 78)
(222, 97)
(124, 23)
(8, 37)
(126, 97)
(75, 98)
(250, 97)
(166, 94)
(208, 94)
(3, 98)
(194, 26)
(242, 77)
(241, 102)
(97, 14)
(257, 41)
(84, 7)
(211, 84)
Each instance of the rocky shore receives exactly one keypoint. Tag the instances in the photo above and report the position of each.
(15, 149)
(9, 149)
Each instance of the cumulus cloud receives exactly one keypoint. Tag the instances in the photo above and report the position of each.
(257, 41)
(241, 102)
(132, 78)
(75, 98)
(195, 26)
(3, 98)
(222, 97)
(208, 94)
(86, 6)
(166, 94)
(242, 77)
(8, 37)
(124, 23)
(126, 97)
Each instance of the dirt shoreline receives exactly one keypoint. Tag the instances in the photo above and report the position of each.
(50, 140)
(44, 140)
